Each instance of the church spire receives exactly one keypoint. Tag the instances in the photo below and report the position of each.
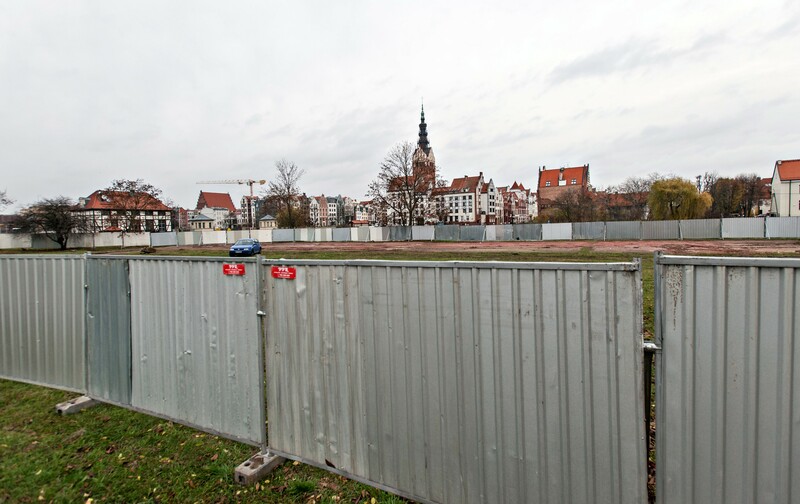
(423, 133)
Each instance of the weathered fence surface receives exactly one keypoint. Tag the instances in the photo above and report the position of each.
(661, 230)
(42, 320)
(623, 230)
(108, 329)
(163, 239)
(561, 231)
(770, 227)
(699, 229)
(589, 231)
(447, 232)
(727, 380)
(195, 344)
(461, 382)
(743, 227)
(341, 234)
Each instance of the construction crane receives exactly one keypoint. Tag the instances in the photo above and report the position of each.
(248, 182)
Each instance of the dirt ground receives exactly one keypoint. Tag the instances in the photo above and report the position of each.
(751, 248)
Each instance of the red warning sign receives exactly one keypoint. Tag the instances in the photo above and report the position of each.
(233, 269)
(285, 272)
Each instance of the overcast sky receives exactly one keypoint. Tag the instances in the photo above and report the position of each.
(178, 92)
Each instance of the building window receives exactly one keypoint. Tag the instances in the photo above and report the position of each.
(547, 184)
(574, 181)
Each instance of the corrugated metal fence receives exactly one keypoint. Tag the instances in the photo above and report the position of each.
(195, 344)
(443, 382)
(728, 380)
(462, 382)
(42, 320)
(173, 337)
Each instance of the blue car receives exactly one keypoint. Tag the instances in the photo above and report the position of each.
(245, 247)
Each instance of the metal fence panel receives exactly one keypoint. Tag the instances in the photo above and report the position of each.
(448, 232)
(505, 232)
(588, 230)
(304, 234)
(42, 337)
(323, 234)
(263, 235)
(661, 230)
(743, 227)
(196, 345)
(189, 238)
(213, 237)
(728, 391)
(526, 232)
(561, 231)
(462, 382)
(283, 235)
(623, 230)
(341, 234)
(472, 233)
(108, 329)
(700, 229)
(378, 234)
(422, 233)
(360, 234)
(399, 233)
(164, 239)
(783, 227)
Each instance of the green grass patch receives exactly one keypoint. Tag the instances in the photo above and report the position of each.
(107, 453)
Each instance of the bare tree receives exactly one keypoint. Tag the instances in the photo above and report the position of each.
(577, 205)
(53, 218)
(751, 192)
(708, 181)
(727, 197)
(628, 200)
(4, 200)
(130, 198)
(399, 188)
(284, 191)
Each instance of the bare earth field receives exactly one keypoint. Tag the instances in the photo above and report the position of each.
(752, 248)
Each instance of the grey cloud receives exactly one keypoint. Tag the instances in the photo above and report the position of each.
(253, 120)
(636, 53)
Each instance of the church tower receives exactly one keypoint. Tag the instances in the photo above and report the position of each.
(423, 161)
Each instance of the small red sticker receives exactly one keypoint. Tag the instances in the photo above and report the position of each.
(233, 269)
(285, 272)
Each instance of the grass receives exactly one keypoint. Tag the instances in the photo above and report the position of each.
(112, 454)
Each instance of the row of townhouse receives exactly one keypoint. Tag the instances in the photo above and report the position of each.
(331, 211)
(217, 211)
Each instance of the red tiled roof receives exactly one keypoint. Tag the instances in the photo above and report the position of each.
(215, 200)
(579, 173)
(110, 200)
(789, 169)
(465, 184)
